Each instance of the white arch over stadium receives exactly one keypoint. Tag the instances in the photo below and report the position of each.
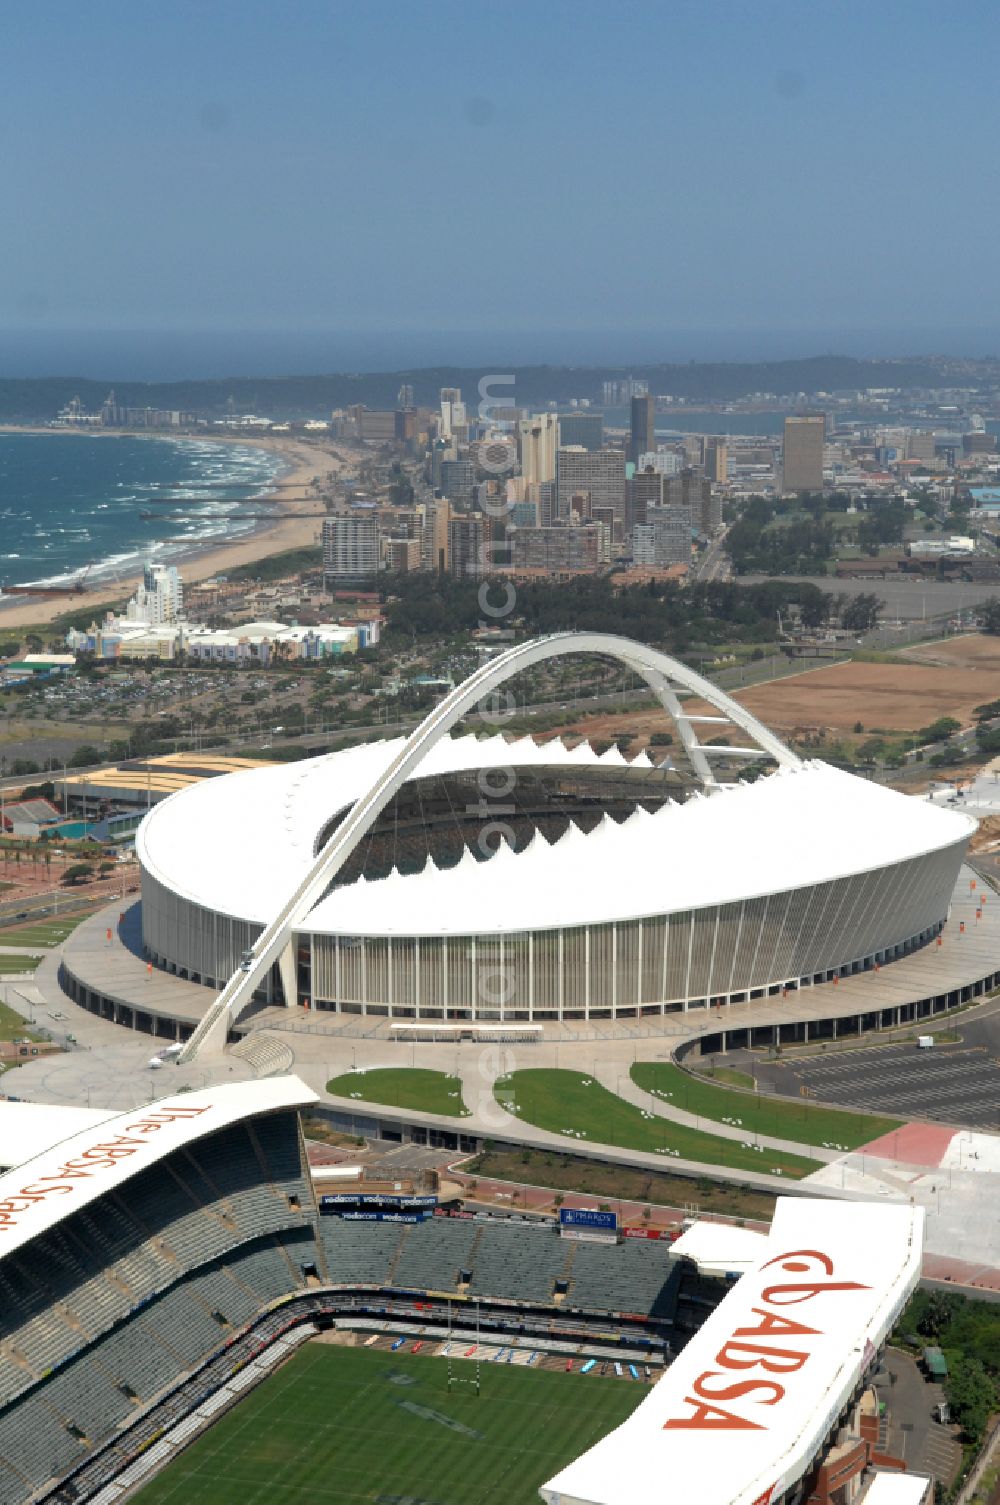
(664, 675)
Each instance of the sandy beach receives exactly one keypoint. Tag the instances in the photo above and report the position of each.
(309, 461)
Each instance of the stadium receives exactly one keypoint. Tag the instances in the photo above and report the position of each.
(158, 1265)
(442, 879)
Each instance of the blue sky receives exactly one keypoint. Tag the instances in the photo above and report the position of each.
(743, 166)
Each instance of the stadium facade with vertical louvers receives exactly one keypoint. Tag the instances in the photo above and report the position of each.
(485, 879)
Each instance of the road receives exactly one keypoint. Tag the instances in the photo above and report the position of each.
(714, 564)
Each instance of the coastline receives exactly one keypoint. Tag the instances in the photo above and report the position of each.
(308, 461)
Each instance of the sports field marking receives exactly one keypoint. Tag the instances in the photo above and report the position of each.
(354, 1424)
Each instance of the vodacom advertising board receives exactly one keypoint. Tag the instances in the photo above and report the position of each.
(740, 1414)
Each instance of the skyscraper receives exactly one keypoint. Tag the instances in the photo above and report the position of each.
(538, 440)
(350, 548)
(664, 538)
(452, 415)
(585, 430)
(716, 460)
(802, 460)
(643, 427)
(469, 538)
(599, 475)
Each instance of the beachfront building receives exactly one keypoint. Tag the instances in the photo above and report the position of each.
(252, 642)
(160, 597)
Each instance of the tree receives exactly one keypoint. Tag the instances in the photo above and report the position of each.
(936, 1315)
(971, 1395)
(861, 614)
(989, 616)
(85, 756)
(78, 873)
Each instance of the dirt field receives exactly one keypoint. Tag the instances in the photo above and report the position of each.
(937, 679)
(970, 651)
(890, 697)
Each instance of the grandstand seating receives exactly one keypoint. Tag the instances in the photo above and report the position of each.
(509, 1259)
(105, 1313)
(433, 1254)
(359, 1253)
(632, 1277)
(517, 1260)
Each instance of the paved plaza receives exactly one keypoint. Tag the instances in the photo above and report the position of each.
(109, 1066)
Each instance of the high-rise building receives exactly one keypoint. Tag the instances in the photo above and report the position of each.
(645, 491)
(716, 461)
(452, 411)
(405, 425)
(618, 394)
(402, 555)
(557, 551)
(543, 494)
(470, 537)
(537, 441)
(583, 430)
(693, 490)
(458, 481)
(667, 461)
(404, 397)
(599, 474)
(663, 539)
(802, 462)
(437, 515)
(159, 600)
(350, 548)
(642, 434)
(920, 446)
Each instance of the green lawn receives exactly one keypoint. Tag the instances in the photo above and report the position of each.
(804, 1122)
(337, 1425)
(10, 966)
(403, 1087)
(13, 1026)
(564, 1101)
(45, 933)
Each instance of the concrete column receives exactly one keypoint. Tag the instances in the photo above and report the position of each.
(287, 973)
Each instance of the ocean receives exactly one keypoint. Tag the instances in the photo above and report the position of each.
(70, 502)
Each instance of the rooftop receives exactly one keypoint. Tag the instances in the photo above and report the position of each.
(742, 1410)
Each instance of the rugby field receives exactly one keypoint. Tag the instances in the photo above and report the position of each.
(349, 1424)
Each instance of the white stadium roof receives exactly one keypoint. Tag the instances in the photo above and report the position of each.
(719, 1248)
(238, 845)
(743, 1409)
(26, 1129)
(74, 1171)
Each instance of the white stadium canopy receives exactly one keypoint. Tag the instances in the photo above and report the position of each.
(26, 1129)
(741, 1413)
(802, 825)
(72, 1172)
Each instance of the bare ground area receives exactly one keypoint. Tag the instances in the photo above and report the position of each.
(970, 651)
(935, 679)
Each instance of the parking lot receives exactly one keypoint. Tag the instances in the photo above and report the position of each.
(958, 1084)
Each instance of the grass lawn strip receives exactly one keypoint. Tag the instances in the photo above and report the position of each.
(805, 1123)
(15, 966)
(14, 1027)
(403, 1087)
(44, 933)
(345, 1425)
(571, 1103)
